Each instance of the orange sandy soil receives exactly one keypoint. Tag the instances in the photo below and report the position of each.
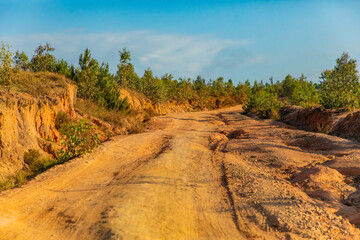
(203, 175)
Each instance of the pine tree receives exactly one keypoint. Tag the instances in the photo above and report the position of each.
(87, 77)
(126, 75)
(339, 86)
(43, 60)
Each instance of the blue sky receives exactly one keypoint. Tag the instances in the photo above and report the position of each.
(235, 39)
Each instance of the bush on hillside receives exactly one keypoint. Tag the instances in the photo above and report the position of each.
(79, 138)
(264, 103)
(6, 70)
(339, 88)
(297, 91)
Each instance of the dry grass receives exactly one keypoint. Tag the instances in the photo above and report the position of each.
(39, 84)
(87, 107)
(34, 165)
(128, 123)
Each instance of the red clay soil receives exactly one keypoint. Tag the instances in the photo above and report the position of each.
(309, 119)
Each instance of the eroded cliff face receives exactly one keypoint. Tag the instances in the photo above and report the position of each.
(28, 122)
(141, 103)
(172, 107)
(136, 100)
(316, 119)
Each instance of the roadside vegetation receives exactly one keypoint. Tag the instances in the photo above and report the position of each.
(338, 89)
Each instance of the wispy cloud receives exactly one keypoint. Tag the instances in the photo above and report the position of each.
(182, 55)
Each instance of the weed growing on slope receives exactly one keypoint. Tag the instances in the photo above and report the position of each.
(34, 164)
(79, 138)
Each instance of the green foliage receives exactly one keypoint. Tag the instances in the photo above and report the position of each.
(43, 60)
(242, 92)
(6, 70)
(264, 102)
(126, 75)
(6, 183)
(297, 91)
(87, 76)
(218, 88)
(62, 67)
(230, 88)
(166, 88)
(62, 119)
(305, 93)
(184, 90)
(109, 93)
(339, 86)
(202, 91)
(79, 139)
(21, 61)
(97, 84)
(36, 164)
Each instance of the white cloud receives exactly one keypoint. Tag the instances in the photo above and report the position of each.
(182, 55)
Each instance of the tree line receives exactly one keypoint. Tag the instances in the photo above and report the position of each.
(339, 88)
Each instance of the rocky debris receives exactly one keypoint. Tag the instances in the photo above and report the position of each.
(286, 182)
(276, 206)
(327, 185)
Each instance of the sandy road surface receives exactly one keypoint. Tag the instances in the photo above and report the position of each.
(156, 185)
(205, 175)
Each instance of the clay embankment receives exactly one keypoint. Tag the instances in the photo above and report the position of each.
(316, 119)
(27, 121)
(140, 103)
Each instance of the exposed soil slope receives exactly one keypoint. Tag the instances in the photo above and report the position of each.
(27, 117)
(206, 175)
(316, 119)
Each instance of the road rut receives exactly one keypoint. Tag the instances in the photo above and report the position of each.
(156, 185)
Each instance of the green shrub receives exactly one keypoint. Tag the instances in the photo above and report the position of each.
(32, 157)
(97, 84)
(21, 177)
(6, 183)
(6, 70)
(62, 118)
(43, 60)
(339, 88)
(36, 163)
(264, 103)
(21, 61)
(79, 139)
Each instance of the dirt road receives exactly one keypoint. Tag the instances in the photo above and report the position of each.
(204, 175)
